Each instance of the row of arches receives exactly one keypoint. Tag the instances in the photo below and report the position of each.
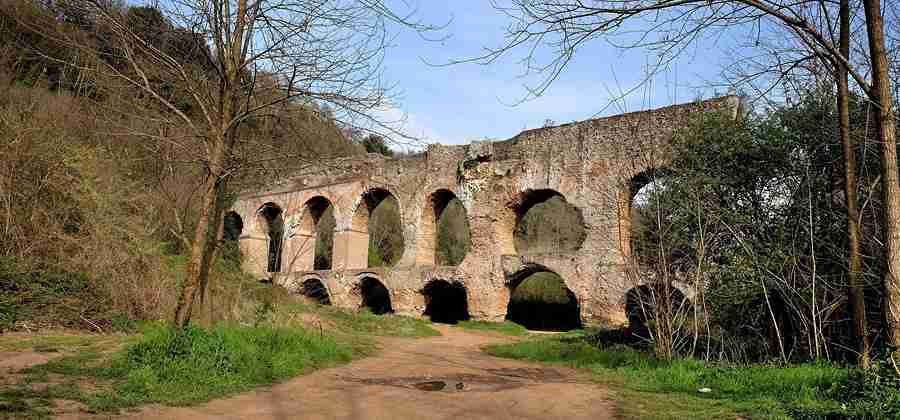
(544, 222)
(539, 300)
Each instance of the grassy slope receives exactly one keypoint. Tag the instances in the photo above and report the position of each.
(159, 365)
(506, 327)
(650, 389)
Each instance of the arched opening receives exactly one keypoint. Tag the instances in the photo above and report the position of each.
(321, 213)
(547, 224)
(272, 223)
(446, 302)
(540, 300)
(377, 220)
(444, 237)
(314, 290)
(638, 215)
(647, 306)
(375, 296)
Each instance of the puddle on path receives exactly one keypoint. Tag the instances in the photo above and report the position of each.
(496, 380)
(431, 385)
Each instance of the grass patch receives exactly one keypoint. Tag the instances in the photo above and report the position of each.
(162, 365)
(49, 343)
(650, 388)
(194, 365)
(353, 329)
(505, 327)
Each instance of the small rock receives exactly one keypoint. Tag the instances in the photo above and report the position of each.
(704, 390)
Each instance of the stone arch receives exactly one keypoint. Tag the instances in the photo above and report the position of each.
(548, 304)
(534, 233)
(366, 236)
(645, 301)
(373, 294)
(445, 301)
(270, 221)
(626, 201)
(317, 231)
(449, 248)
(315, 289)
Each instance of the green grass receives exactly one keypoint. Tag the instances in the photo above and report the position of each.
(506, 327)
(161, 365)
(353, 329)
(194, 365)
(49, 343)
(650, 388)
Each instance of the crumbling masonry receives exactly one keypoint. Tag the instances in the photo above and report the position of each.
(596, 165)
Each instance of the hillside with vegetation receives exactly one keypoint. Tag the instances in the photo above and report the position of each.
(97, 219)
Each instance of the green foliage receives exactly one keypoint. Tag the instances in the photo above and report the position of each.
(325, 239)
(755, 390)
(374, 143)
(551, 226)
(453, 236)
(506, 327)
(48, 297)
(752, 204)
(541, 287)
(385, 233)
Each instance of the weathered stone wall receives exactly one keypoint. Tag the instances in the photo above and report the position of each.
(592, 163)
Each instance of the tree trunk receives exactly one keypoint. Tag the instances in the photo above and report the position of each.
(856, 294)
(198, 267)
(887, 137)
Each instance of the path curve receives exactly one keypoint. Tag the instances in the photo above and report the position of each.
(384, 386)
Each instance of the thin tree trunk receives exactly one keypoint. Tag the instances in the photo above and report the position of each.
(887, 137)
(199, 249)
(854, 272)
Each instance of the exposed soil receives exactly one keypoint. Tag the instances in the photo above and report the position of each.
(446, 377)
(11, 362)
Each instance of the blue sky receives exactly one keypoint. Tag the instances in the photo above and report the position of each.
(464, 102)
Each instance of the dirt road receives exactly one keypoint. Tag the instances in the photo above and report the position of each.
(446, 377)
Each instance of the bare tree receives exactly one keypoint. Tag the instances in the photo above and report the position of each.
(249, 59)
(668, 27)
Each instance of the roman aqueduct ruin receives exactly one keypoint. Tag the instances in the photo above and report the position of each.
(597, 166)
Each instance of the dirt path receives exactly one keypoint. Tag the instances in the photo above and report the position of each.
(473, 385)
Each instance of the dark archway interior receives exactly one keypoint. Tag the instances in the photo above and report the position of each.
(540, 300)
(375, 296)
(446, 302)
(315, 291)
(644, 303)
(232, 226)
(547, 224)
(452, 236)
(322, 213)
(272, 215)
